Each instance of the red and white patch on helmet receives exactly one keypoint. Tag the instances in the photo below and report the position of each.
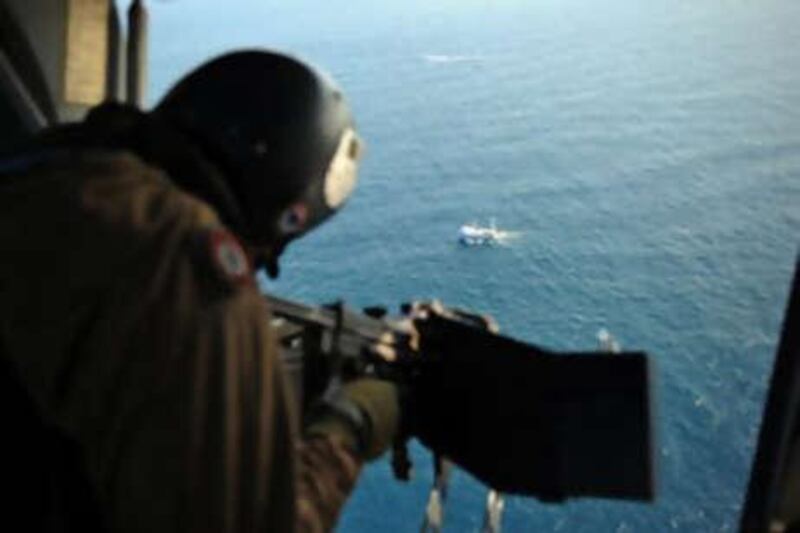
(229, 258)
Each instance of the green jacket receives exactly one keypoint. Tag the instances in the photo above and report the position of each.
(128, 316)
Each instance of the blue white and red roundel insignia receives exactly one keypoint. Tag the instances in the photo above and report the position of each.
(229, 258)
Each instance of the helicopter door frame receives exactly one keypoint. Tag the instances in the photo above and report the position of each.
(773, 495)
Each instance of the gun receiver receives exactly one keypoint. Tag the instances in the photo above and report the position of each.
(520, 418)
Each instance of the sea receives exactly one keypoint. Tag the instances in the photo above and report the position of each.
(645, 153)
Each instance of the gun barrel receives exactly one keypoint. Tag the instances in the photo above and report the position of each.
(300, 313)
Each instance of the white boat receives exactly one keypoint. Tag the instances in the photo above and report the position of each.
(476, 235)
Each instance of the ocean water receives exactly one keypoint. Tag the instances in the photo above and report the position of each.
(648, 154)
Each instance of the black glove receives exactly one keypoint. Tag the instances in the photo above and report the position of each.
(482, 411)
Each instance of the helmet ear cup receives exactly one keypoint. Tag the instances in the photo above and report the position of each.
(293, 219)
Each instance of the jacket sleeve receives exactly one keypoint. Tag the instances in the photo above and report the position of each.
(327, 472)
(160, 368)
(213, 444)
(200, 431)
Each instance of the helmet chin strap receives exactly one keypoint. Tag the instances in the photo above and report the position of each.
(267, 258)
(272, 267)
(293, 220)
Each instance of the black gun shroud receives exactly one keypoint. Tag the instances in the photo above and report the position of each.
(522, 419)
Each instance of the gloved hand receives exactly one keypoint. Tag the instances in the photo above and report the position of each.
(363, 414)
(477, 401)
(448, 392)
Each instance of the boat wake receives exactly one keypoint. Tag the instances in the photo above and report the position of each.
(445, 58)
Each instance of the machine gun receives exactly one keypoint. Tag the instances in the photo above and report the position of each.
(520, 418)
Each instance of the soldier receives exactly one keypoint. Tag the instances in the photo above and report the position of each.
(140, 376)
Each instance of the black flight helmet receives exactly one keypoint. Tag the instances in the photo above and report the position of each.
(282, 135)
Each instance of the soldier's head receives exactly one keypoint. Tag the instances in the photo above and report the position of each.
(282, 135)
